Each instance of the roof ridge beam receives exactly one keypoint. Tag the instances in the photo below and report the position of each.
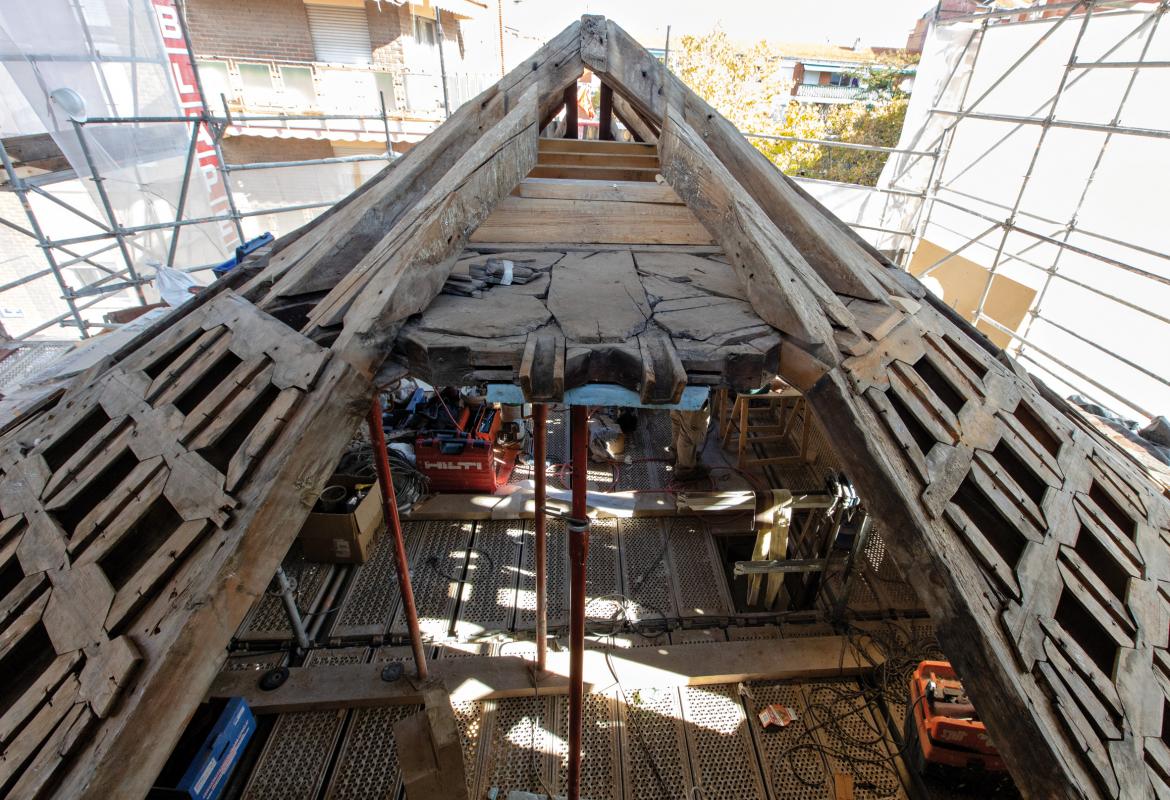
(846, 266)
(782, 288)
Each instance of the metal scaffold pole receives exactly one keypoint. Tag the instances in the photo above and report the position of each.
(578, 526)
(18, 186)
(539, 435)
(394, 529)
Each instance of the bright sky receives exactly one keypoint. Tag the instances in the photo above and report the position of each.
(877, 22)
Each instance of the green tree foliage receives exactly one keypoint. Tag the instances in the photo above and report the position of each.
(744, 85)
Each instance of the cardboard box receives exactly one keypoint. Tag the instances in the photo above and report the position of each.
(345, 538)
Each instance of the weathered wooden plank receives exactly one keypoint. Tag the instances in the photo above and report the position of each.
(663, 376)
(619, 61)
(687, 270)
(618, 191)
(634, 122)
(484, 678)
(550, 145)
(197, 609)
(542, 370)
(336, 244)
(24, 746)
(594, 173)
(74, 616)
(600, 160)
(408, 267)
(524, 219)
(955, 588)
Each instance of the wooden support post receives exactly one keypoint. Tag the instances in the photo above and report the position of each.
(394, 528)
(430, 751)
(571, 111)
(605, 124)
(578, 553)
(539, 432)
(774, 518)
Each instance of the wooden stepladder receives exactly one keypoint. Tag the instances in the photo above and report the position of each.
(768, 417)
(773, 521)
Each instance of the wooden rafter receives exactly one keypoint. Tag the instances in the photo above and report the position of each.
(989, 490)
(146, 501)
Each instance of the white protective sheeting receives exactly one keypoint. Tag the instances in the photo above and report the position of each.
(1102, 192)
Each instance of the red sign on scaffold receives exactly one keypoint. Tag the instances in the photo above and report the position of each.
(183, 76)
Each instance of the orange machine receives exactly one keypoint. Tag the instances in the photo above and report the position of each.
(945, 724)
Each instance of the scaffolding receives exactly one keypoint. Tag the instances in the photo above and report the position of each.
(101, 233)
(920, 177)
(917, 198)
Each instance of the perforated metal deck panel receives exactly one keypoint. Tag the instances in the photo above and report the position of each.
(753, 633)
(522, 752)
(293, 762)
(793, 769)
(297, 753)
(487, 598)
(837, 731)
(557, 565)
(469, 716)
(854, 743)
(599, 740)
(697, 636)
(437, 551)
(700, 589)
(372, 598)
(259, 661)
(720, 744)
(885, 579)
(655, 762)
(602, 576)
(367, 763)
(646, 569)
(646, 448)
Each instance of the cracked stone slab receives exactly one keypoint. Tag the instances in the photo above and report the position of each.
(598, 297)
(494, 314)
(714, 277)
(707, 318)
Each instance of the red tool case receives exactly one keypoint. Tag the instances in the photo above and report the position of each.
(466, 460)
(944, 723)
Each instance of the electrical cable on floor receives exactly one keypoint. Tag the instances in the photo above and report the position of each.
(410, 484)
(433, 563)
(637, 733)
(897, 657)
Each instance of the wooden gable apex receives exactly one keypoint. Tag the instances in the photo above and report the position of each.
(162, 486)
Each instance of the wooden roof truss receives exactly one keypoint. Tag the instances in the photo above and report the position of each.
(145, 503)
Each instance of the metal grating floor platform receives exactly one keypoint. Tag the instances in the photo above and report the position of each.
(474, 588)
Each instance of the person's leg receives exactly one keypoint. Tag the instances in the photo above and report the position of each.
(692, 435)
(676, 426)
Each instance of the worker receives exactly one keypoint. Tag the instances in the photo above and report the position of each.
(688, 432)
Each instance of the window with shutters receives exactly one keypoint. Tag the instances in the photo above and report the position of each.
(340, 34)
(424, 32)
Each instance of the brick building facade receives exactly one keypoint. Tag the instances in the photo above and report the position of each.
(276, 29)
(235, 40)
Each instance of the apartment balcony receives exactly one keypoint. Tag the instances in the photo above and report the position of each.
(266, 88)
(821, 93)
